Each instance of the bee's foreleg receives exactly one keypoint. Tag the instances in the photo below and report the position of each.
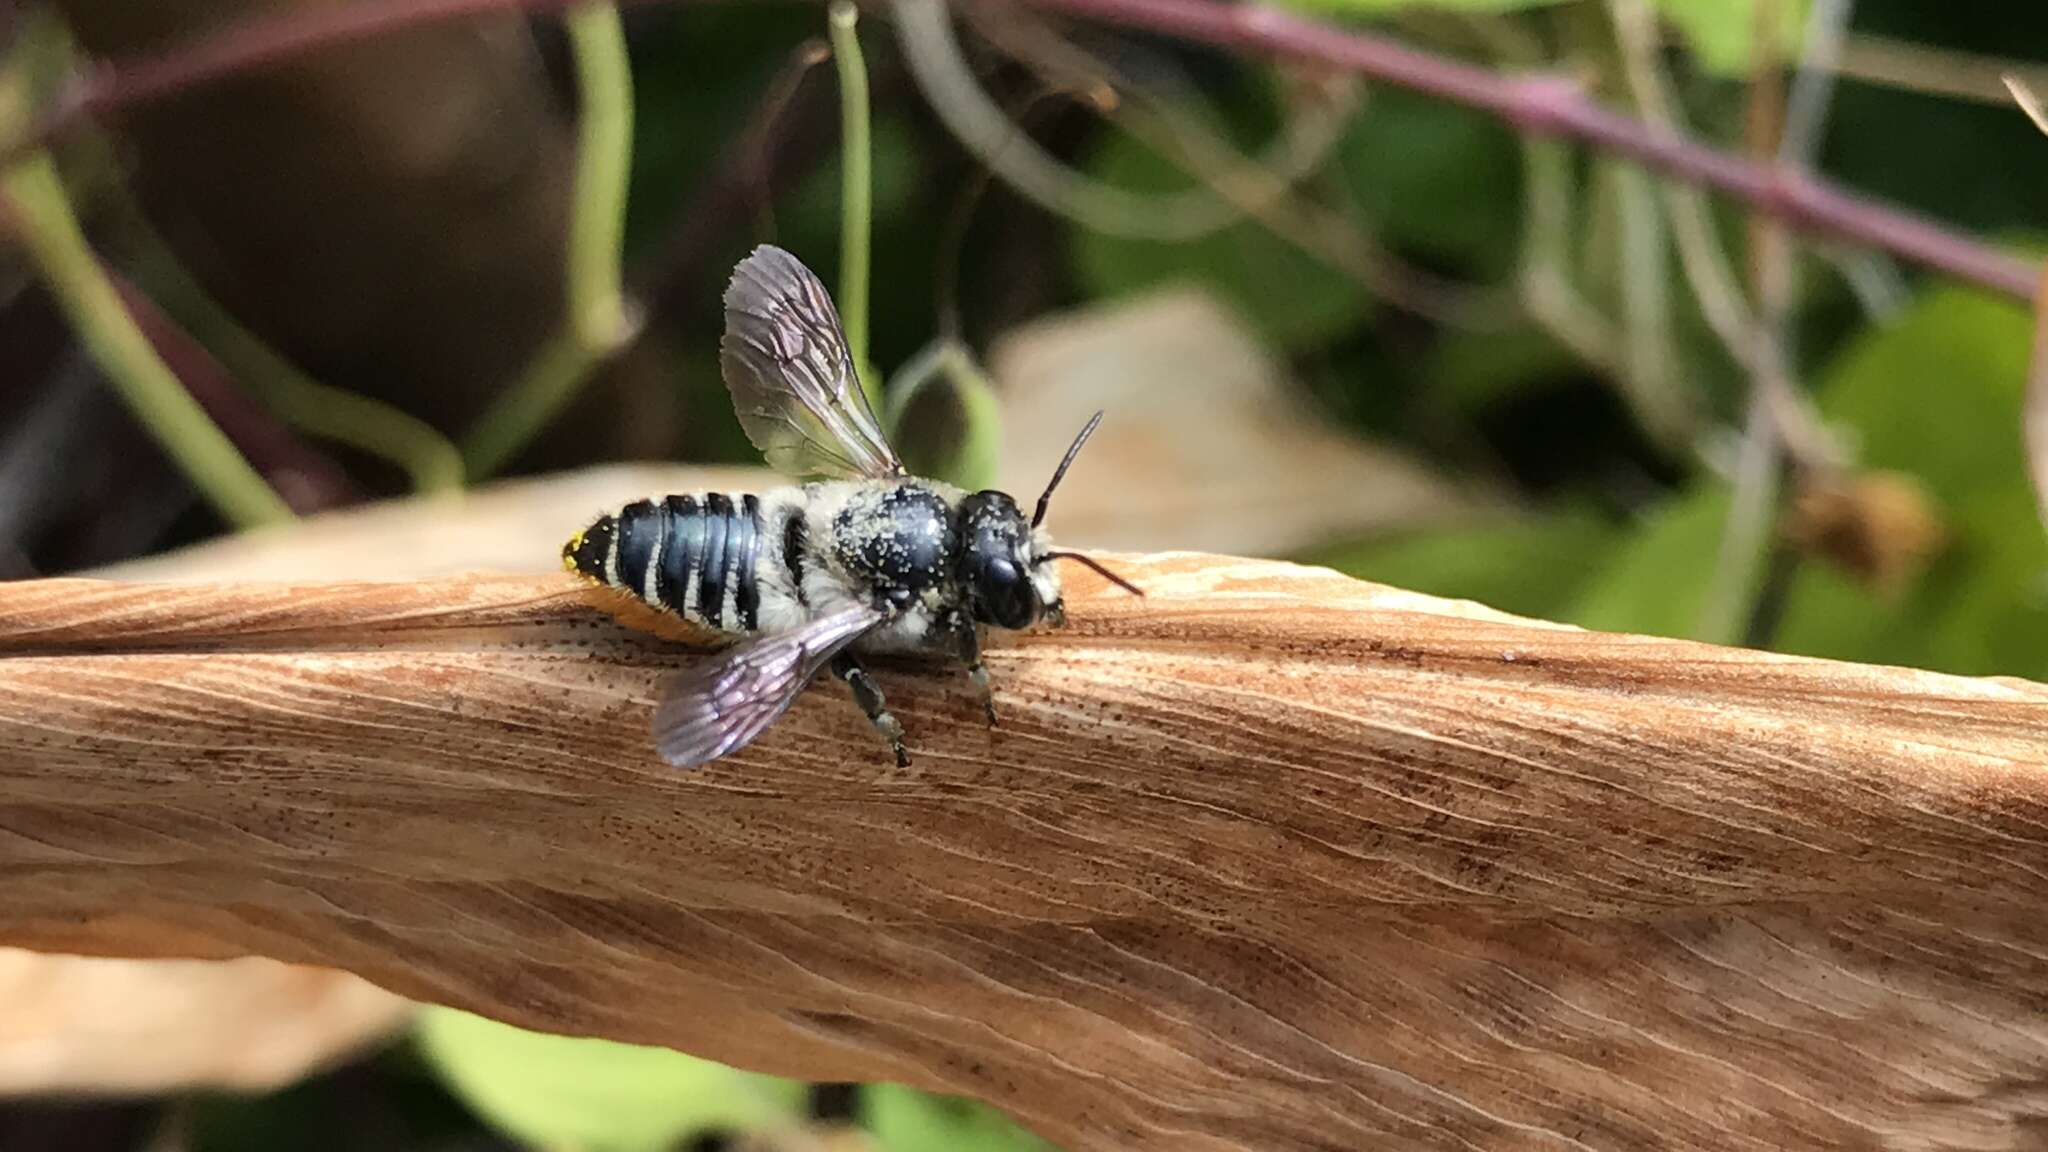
(965, 642)
(868, 695)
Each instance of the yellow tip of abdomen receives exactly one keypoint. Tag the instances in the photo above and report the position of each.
(569, 552)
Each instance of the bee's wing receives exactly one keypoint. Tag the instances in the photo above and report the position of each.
(718, 706)
(792, 380)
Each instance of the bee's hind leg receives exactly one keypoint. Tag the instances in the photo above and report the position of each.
(966, 647)
(868, 695)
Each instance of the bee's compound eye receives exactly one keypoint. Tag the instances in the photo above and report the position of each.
(1005, 594)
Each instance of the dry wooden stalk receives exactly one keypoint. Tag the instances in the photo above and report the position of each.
(1268, 860)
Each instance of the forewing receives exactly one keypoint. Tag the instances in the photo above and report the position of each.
(792, 380)
(718, 706)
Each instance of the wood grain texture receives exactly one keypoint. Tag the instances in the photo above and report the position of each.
(1271, 859)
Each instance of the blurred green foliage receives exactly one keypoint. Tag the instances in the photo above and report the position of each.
(1293, 298)
(903, 1120)
(1935, 395)
(563, 1092)
(1530, 565)
(1438, 183)
(1377, 7)
(594, 1095)
(1722, 33)
(944, 417)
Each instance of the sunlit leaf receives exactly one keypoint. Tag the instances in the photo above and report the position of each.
(1936, 394)
(1722, 33)
(462, 770)
(1658, 584)
(1530, 566)
(595, 1095)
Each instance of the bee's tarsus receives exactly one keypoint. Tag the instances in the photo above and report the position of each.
(868, 695)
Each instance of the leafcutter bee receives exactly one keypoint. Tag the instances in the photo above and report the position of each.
(863, 558)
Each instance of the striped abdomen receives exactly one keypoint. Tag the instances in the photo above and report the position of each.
(693, 555)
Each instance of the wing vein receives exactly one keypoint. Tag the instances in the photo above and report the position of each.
(718, 706)
(793, 382)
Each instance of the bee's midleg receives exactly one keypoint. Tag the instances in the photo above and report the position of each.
(868, 695)
(694, 555)
(965, 641)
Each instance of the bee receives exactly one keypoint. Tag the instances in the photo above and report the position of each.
(865, 558)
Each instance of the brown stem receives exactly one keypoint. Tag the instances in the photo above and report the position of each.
(2035, 417)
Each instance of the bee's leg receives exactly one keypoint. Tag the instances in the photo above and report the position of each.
(965, 643)
(868, 695)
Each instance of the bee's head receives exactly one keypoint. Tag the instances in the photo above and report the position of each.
(1007, 585)
(1007, 562)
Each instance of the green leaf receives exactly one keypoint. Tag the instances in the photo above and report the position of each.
(1295, 299)
(1937, 394)
(944, 415)
(1990, 614)
(1469, 370)
(905, 1120)
(1441, 183)
(1532, 566)
(1722, 33)
(594, 1095)
(1658, 584)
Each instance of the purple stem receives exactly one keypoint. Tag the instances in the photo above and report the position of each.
(307, 480)
(1540, 106)
(1546, 106)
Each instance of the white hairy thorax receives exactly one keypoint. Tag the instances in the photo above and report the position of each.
(829, 586)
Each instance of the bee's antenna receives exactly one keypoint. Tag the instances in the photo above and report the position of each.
(1061, 472)
(1092, 562)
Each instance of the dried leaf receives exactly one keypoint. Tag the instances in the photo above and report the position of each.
(2028, 100)
(76, 1024)
(92, 1024)
(1195, 407)
(1270, 859)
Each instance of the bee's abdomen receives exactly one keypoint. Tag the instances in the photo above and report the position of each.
(694, 555)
